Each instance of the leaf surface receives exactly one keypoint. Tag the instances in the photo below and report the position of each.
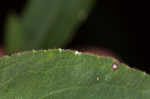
(64, 74)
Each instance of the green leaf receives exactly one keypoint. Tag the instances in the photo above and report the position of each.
(13, 34)
(51, 23)
(60, 74)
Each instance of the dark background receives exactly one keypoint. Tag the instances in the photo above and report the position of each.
(119, 25)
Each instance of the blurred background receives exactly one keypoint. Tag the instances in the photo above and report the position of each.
(121, 26)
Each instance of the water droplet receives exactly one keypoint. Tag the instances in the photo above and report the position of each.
(144, 73)
(97, 78)
(45, 50)
(60, 50)
(18, 53)
(77, 53)
(34, 51)
(115, 66)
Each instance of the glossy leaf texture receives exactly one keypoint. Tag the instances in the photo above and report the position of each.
(65, 74)
(49, 23)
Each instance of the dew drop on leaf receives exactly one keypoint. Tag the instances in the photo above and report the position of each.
(77, 53)
(115, 66)
(60, 50)
(97, 78)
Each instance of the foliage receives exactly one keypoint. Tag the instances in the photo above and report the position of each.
(45, 24)
(60, 74)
